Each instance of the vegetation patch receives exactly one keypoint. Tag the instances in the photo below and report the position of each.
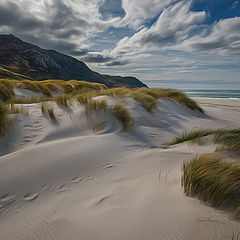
(214, 181)
(95, 105)
(48, 111)
(123, 115)
(5, 120)
(6, 90)
(147, 101)
(13, 109)
(62, 100)
(229, 139)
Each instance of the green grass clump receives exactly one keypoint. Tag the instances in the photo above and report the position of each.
(214, 181)
(123, 115)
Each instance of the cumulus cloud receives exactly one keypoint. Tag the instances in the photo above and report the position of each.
(59, 24)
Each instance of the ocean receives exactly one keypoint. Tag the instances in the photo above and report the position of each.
(203, 90)
(213, 93)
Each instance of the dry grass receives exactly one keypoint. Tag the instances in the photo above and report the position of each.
(83, 98)
(172, 94)
(29, 100)
(145, 96)
(13, 109)
(47, 87)
(6, 90)
(51, 113)
(62, 100)
(123, 115)
(48, 111)
(229, 139)
(5, 121)
(147, 101)
(29, 85)
(214, 181)
(95, 105)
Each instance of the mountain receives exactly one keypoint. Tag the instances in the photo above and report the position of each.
(22, 60)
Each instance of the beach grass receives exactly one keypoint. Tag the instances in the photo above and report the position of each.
(148, 102)
(62, 100)
(51, 114)
(5, 121)
(6, 90)
(229, 139)
(48, 111)
(13, 109)
(95, 105)
(145, 96)
(214, 181)
(122, 114)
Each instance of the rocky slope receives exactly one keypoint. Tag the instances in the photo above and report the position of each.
(21, 60)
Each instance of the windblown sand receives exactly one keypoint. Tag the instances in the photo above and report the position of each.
(86, 179)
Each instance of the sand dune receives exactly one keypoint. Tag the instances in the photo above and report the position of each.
(71, 180)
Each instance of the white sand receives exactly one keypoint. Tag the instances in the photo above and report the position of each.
(71, 180)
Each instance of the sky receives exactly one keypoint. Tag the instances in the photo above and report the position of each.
(186, 44)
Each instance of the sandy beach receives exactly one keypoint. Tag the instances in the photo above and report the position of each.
(70, 180)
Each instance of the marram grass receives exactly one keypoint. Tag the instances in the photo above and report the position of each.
(95, 105)
(6, 121)
(214, 181)
(122, 114)
(229, 139)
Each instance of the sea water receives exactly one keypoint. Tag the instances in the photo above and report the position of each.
(213, 93)
(224, 90)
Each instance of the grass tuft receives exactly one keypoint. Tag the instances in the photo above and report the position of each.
(94, 105)
(51, 113)
(147, 101)
(13, 109)
(229, 139)
(123, 115)
(214, 181)
(6, 90)
(48, 111)
(5, 121)
(62, 100)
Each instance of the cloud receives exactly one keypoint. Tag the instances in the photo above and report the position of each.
(117, 63)
(174, 24)
(223, 39)
(96, 58)
(137, 12)
(59, 24)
